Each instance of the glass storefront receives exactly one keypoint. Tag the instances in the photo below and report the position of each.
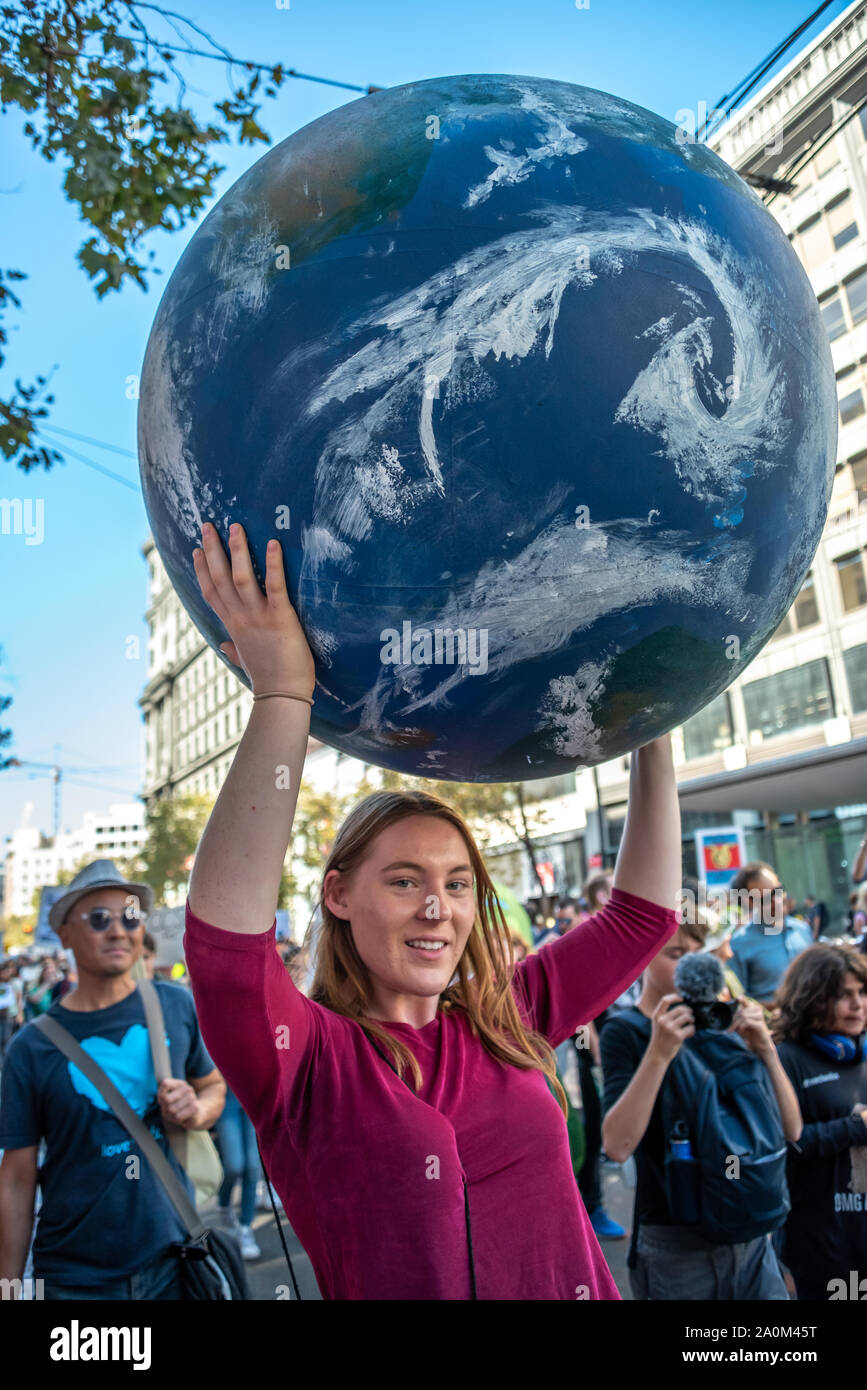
(792, 699)
(812, 857)
(710, 730)
(815, 857)
(855, 661)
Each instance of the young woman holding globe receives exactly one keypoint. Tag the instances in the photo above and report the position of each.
(403, 1109)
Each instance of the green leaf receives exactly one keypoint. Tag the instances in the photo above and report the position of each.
(251, 131)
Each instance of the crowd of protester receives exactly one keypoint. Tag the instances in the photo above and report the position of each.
(432, 1113)
(802, 1000)
(805, 995)
(30, 982)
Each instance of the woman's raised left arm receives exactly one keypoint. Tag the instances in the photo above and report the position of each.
(649, 862)
(567, 983)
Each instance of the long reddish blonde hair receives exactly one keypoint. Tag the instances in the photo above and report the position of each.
(481, 987)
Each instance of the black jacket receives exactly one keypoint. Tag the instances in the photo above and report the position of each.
(826, 1233)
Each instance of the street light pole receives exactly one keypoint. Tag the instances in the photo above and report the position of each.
(600, 816)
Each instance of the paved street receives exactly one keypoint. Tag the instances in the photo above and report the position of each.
(269, 1277)
(619, 1197)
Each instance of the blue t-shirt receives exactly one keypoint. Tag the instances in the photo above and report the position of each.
(95, 1221)
(762, 955)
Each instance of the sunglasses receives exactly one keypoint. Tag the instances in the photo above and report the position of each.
(100, 919)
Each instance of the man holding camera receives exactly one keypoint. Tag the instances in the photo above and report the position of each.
(669, 1260)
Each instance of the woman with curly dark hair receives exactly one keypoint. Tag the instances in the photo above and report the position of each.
(822, 1043)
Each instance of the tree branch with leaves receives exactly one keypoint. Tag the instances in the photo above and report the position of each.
(132, 161)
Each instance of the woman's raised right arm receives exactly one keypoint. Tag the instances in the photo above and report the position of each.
(236, 876)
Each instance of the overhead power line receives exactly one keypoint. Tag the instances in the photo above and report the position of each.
(222, 52)
(97, 467)
(795, 168)
(779, 183)
(735, 97)
(99, 443)
(245, 63)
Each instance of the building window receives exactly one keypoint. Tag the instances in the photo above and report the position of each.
(856, 294)
(851, 406)
(805, 608)
(855, 661)
(792, 699)
(814, 242)
(827, 158)
(858, 464)
(833, 317)
(843, 237)
(841, 220)
(804, 612)
(853, 589)
(709, 730)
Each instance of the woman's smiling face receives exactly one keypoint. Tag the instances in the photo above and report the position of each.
(416, 885)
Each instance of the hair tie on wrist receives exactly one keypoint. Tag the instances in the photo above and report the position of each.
(283, 694)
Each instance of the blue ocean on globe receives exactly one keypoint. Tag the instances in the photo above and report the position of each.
(537, 398)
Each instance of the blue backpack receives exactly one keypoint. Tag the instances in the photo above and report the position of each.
(725, 1148)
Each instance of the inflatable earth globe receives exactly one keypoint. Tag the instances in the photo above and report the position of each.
(537, 398)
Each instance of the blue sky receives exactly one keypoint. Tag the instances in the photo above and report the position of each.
(69, 604)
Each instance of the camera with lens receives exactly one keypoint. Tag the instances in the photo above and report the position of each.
(714, 1015)
(698, 979)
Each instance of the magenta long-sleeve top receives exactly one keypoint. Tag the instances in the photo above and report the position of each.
(377, 1180)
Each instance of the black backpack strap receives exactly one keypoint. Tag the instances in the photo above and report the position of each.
(174, 1189)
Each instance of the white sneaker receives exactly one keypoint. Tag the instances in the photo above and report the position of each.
(249, 1249)
(263, 1201)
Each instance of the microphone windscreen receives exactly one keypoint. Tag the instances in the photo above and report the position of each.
(699, 976)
